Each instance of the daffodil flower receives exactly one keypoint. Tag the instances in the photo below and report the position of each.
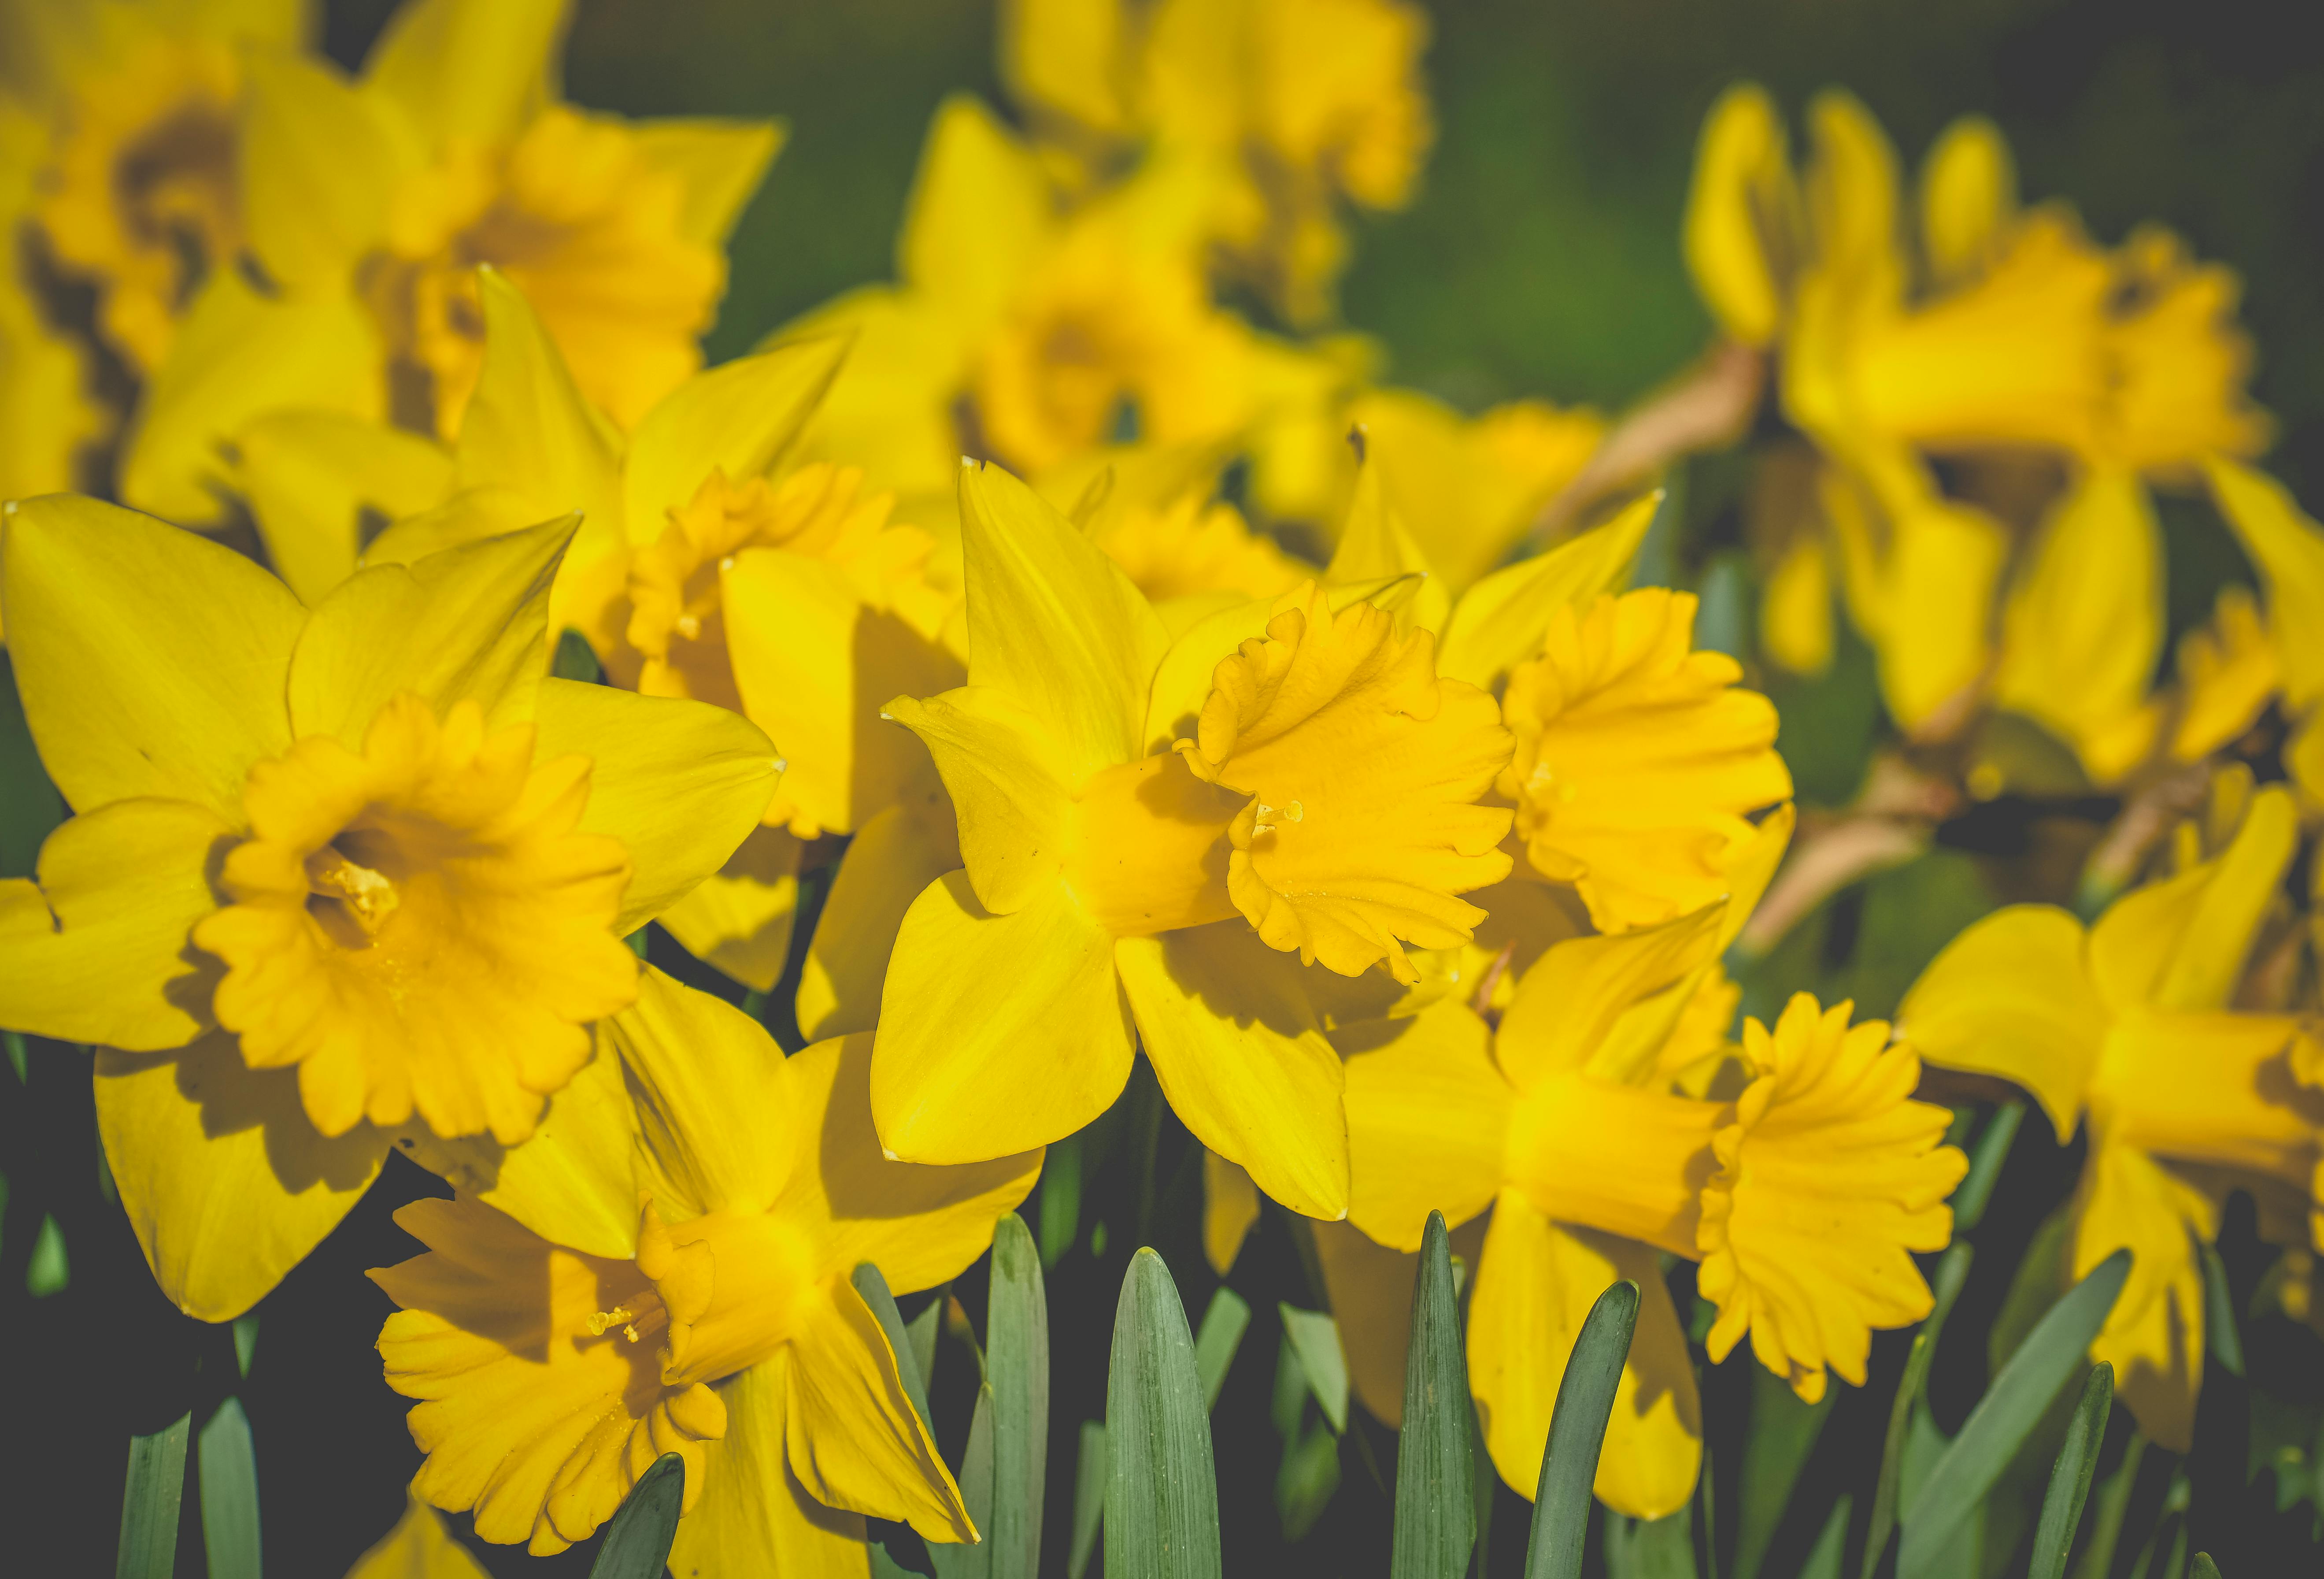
(368, 205)
(707, 567)
(2129, 1024)
(2125, 364)
(1130, 813)
(1284, 104)
(2287, 546)
(336, 877)
(1801, 1198)
(726, 1330)
(1026, 333)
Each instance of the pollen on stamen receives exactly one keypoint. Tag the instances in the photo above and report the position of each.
(598, 1323)
(1293, 811)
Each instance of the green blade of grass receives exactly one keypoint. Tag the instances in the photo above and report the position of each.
(1017, 1364)
(150, 1499)
(1577, 1431)
(2069, 1477)
(1435, 1503)
(229, 1485)
(1162, 1493)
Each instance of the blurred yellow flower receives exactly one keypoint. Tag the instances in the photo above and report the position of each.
(368, 204)
(727, 1331)
(1802, 1197)
(1321, 790)
(2287, 548)
(1283, 107)
(373, 841)
(2130, 1023)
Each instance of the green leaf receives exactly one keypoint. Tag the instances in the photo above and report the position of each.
(575, 659)
(1577, 1431)
(245, 1343)
(229, 1483)
(976, 1488)
(2010, 1409)
(1308, 1479)
(1783, 1433)
(920, 1332)
(1651, 1549)
(639, 1536)
(1016, 1368)
(49, 1270)
(2114, 1502)
(1161, 1493)
(150, 1499)
(1286, 1407)
(1985, 1166)
(1089, 1473)
(2070, 1479)
(2203, 1567)
(2219, 1314)
(1061, 1198)
(1952, 1272)
(1435, 1501)
(870, 1284)
(1831, 1545)
(1215, 1341)
(29, 806)
(1315, 1339)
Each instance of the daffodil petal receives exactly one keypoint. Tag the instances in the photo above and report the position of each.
(311, 476)
(980, 213)
(151, 662)
(2012, 996)
(571, 1181)
(467, 623)
(420, 1547)
(238, 354)
(529, 431)
(94, 950)
(890, 859)
(1536, 1283)
(1569, 1002)
(680, 783)
(1500, 621)
(318, 165)
(715, 1098)
(1230, 1210)
(1741, 163)
(1427, 1110)
(1054, 624)
(919, 1225)
(740, 919)
(718, 165)
(2289, 549)
(2153, 1336)
(2180, 943)
(997, 1033)
(753, 1513)
(1008, 787)
(740, 419)
(854, 1440)
(1375, 541)
(226, 1184)
(1239, 1055)
(466, 70)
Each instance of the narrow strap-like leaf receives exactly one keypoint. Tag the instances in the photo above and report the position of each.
(1090, 1475)
(2069, 1478)
(975, 1480)
(2202, 1567)
(1017, 1369)
(639, 1536)
(229, 1483)
(1435, 1508)
(1315, 1340)
(2011, 1407)
(150, 1500)
(870, 1284)
(1215, 1341)
(1985, 1162)
(1162, 1493)
(1577, 1431)
(1952, 1272)
(1782, 1432)
(1061, 1198)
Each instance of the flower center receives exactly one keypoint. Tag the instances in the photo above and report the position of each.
(1621, 1159)
(728, 1287)
(420, 926)
(1148, 852)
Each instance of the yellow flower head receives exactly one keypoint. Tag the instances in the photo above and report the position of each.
(1636, 758)
(1801, 1198)
(1319, 799)
(1153, 509)
(448, 153)
(726, 1330)
(1285, 105)
(2227, 670)
(2130, 1022)
(371, 840)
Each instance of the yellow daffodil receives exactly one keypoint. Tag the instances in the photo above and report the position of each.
(1130, 813)
(1801, 1198)
(334, 875)
(2228, 672)
(2287, 548)
(1031, 335)
(726, 1329)
(705, 568)
(2024, 335)
(2130, 1024)
(368, 204)
(419, 1547)
(1286, 105)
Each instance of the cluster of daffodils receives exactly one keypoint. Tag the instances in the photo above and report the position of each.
(1123, 679)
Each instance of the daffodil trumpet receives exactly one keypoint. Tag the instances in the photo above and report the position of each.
(336, 876)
